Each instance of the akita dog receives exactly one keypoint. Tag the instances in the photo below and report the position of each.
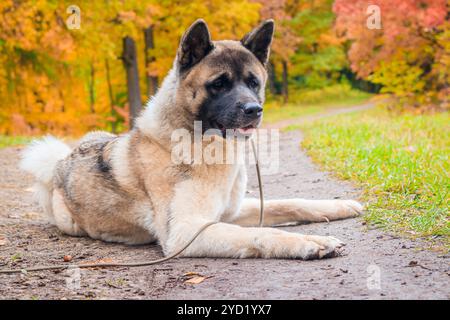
(127, 189)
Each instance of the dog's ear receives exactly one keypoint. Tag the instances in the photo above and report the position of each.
(195, 45)
(259, 39)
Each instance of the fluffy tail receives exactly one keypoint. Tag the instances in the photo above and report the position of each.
(40, 159)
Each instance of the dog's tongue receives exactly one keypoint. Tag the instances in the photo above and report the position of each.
(246, 131)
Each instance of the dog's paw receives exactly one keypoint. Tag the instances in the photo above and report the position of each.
(349, 208)
(330, 210)
(318, 247)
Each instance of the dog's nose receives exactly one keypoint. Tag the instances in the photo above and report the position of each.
(252, 109)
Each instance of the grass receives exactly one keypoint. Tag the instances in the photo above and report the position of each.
(313, 101)
(400, 161)
(15, 257)
(8, 141)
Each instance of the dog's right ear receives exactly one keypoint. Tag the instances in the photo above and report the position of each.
(195, 45)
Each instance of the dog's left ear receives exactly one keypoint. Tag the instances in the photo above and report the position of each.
(195, 45)
(259, 39)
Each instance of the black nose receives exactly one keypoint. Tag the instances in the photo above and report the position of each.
(252, 109)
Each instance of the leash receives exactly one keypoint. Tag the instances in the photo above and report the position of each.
(106, 265)
(152, 262)
(261, 195)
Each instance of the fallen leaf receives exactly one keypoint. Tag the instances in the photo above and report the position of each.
(190, 274)
(31, 215)
(195, 280)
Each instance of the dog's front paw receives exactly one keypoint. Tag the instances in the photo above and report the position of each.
(318, 247)
(349, 208)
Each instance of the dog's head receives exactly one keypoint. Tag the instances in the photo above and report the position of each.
(221, 83)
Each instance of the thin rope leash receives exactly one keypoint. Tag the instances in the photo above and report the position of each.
(261, 194)
(107, 265)
(146, 262)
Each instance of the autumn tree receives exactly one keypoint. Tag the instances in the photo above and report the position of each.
(409, 55)
(34, 51)
(56, 79)
(320, 56)
(285, 40)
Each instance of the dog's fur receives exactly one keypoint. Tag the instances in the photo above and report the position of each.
(126, 188)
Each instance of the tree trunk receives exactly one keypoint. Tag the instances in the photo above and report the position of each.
(285, 90)
(152, 81)
(134, 92)
(111, 96)
(271, 78)
(92, 89)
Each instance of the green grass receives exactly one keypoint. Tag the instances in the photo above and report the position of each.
(313, 101)
(400, 161)
(8, 141)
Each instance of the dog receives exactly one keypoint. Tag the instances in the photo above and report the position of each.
(126, 188)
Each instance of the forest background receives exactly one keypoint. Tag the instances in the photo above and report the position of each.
(64, 64)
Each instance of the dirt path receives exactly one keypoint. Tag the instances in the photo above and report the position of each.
(327, 113)
(403, 269)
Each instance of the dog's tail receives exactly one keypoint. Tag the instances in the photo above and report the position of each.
(40, 159)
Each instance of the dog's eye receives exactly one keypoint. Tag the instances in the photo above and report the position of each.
(218, 84)
(253, 83)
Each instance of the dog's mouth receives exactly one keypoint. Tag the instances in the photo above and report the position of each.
(246, 130)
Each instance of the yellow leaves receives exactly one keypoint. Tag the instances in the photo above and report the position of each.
(154, 10)
(194, 278)
(125, 16)
(31, 26)
(45, 67)
(330, 39)
(60, 43)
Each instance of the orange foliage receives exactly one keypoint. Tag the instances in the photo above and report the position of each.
(53, 79)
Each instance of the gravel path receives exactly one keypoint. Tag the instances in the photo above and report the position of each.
(375, 265)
